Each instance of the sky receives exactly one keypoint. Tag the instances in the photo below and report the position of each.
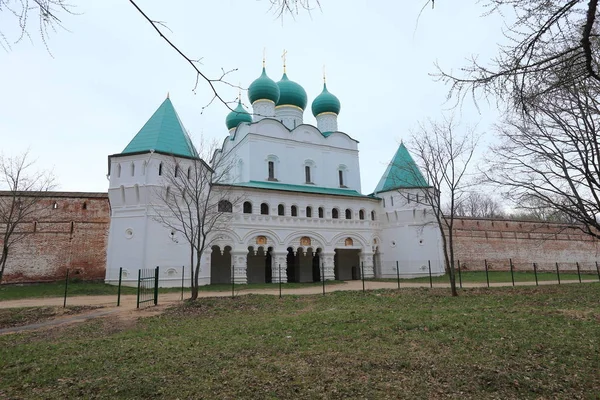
(102, 77)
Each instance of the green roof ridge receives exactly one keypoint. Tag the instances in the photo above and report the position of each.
(300, 188)
(402, 172)
(164, 133)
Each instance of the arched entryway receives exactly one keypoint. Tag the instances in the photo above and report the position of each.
(259, 265)
(346, 264)
(303, 265)
(220, 265)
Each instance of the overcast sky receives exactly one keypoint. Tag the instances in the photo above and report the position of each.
(109, 72)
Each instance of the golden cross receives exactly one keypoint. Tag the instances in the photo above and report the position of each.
(283, 57)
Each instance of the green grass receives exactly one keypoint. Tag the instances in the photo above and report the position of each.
(497, 277)
(57, 289)
(500, 343)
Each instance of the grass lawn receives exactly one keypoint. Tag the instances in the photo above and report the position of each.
(497, 276)
(57, 289)
(500, 343)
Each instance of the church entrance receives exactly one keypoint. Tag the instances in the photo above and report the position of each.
(304, 266)
(346, 264)
(220, 265)
(259, 267)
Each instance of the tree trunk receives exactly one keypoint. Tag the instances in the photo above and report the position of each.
(3, 259)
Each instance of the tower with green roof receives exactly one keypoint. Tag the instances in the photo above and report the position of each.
(237, 116)
(263, 94)
(290, 107)
(401, 173)
(326, 108)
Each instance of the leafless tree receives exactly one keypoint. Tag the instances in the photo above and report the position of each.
(549, 158)
(478, 205)
(193, 204)
(443, 152)
(20, 201)
(549, 44)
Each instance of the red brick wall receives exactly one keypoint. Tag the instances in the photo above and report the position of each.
(524, 242)
(67, 236)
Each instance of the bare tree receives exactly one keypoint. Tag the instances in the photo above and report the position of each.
(478, 205)
(443, 153)
(549, 44)
(550, 157)
(193, 204)
(20, 199)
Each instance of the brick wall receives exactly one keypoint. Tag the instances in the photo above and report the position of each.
(525, 242)
(70, 231)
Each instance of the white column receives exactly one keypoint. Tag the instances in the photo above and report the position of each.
(366, 260)
(239, 264)
(279, 260)
(326, 258)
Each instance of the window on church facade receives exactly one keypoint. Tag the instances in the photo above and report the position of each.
(225, 206)
(383, 198)
(160, 169)
(271, 166)
(361, 214)
(392, 200)
(307, 174)
(132, 169)
(321, 212)
(118, 170)
(247, 207)
(372, 215)
(189, 173)
(341, 177)
(309, 212)
(348, 213)
(264, 209)
(281, 210)
(294, 211)
(335, 214)
(176, 170)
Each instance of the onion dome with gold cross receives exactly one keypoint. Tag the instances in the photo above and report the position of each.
(326, 102)
(263, 88)
(237, 116)
(291, 93)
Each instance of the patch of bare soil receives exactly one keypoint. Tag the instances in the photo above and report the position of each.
(14, 317)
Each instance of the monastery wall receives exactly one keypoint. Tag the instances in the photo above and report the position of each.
(69, 231)
(525, 242)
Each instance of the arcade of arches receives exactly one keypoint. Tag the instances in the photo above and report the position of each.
(262, 263)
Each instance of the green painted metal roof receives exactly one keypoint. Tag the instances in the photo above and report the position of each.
(291, 93)
(402, 172)
(300, 188)
(237, 116)
(263, 88)
(326, 102)
(163, 133)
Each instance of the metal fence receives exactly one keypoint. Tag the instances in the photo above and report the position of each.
(147, 286)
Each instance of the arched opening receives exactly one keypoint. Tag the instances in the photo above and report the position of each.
(309, 212)
(220, 265)
(294, 211)
(348, 213)
(281, 210)
(291, 265)
(373, 215)
(335, 214)
(225, 206)
(264, 209)
(84, 206)
(247, 207)
(361, 214)
(346, 264)
(118, 170)
(259, 265)
(321, 212)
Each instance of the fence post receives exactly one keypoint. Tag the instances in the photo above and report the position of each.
(398, 273)
(430, 279)
(578, 272)
(279, 266)
(512, 272)
(535, 273)
(362, 274)
(487, 278)
(182, 275)
(66, 286)
(598, 270)
(156, 286)
(119, 289)
(557, 273)
(459, 275)
(138, 291)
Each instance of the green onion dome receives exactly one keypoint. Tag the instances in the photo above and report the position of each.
(291, 93)
(326, 103)
(237, 116)
(263, 88)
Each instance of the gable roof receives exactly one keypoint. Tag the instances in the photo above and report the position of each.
(163, 133)
(402, 172)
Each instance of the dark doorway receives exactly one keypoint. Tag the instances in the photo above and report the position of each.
(316, 268)
(291, 266)
(268, 267)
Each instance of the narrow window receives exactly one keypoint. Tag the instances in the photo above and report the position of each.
(176, 170)
(264, 209)
(335, 213)
(247, 207)
(321, 212)
(54, 206)
(408, 198)
(341, 177)
(309, 212)
(392, 200)
(417, 197)
(294, 211)
(132, 169)
(160, 169)
(361, 214)
(348, 213)
(119, 171)
(383, 198)
(307, 173)
(225, 206)
(281, 210)
(271, 171)
(372, 215)
(84, 205)
(189, 173)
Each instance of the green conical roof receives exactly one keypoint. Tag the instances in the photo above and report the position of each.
(326, 102)
(291, 93)
(402, 172)
(163, 133)
(237, 116)
(263, 88)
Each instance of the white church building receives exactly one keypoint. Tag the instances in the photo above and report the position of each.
(303, 215)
